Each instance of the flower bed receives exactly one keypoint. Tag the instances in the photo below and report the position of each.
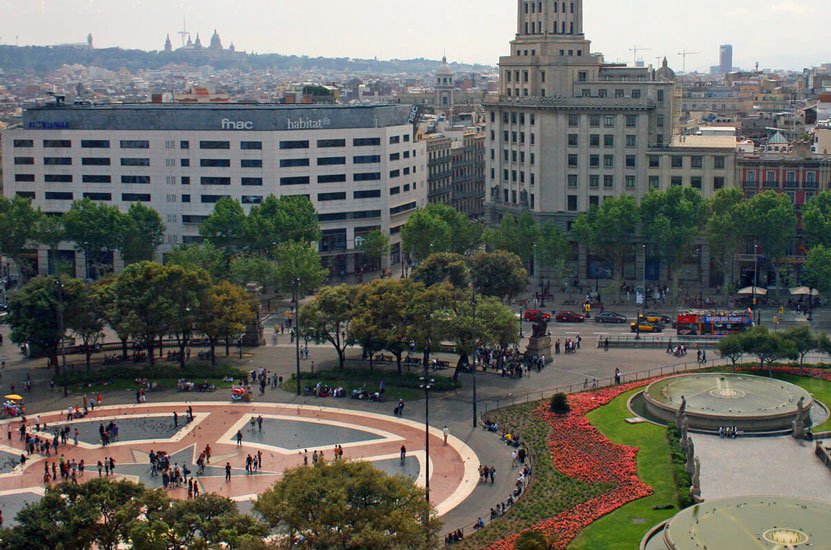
(579, 451)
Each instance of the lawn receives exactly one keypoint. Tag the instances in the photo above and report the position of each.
(406, 386)
(122, 376)
(624, 528)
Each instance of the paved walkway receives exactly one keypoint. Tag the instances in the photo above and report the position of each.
(770, 466)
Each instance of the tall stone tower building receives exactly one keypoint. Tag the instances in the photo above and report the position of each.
(567, 128)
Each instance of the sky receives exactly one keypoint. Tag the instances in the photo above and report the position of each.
(776, 33)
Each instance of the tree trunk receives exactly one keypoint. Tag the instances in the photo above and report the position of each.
(151, 351)
(212, 343)
(89, 356)
(341, 357)
(124, 353)
(161, 346)
(398, 362)
(53, 357)
(227, 346)
(371, 358)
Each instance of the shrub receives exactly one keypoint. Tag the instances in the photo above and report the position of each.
(559, 404)
(679, 472)
(360, 376)
(531, 540)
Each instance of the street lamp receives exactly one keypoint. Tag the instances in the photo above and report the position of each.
(756, 278)
(296, 288)
(475, 347)
(427, 385)
(643, 299)
(59, 287)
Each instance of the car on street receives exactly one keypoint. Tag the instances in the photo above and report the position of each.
(653, 317)
(534, 315)
(609, 317)
(569, 317)
(646, 326)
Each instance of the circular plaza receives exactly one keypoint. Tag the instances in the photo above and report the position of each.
(280, 436)
(714, 400)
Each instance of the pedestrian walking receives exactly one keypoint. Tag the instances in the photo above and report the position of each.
(239, 438)
(445, 432)
(260, 422)
(403, 454)
(227, 471)
(175, 419)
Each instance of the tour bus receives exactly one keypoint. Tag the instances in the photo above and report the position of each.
(712, 322)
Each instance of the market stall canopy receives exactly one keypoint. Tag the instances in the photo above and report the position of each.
(14, 397)
(749, 291)
(804, 291)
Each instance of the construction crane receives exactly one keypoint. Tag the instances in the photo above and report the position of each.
(684, 55)
(635, 49)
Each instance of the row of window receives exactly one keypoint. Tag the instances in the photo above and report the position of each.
(608, 140)
(208, 144)
(69, 196)
(695, 162)
(630, 161)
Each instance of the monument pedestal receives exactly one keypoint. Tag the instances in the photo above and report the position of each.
(539, 346)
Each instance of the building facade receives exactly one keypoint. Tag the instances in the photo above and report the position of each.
(469, 173)
(439, 169)
(360, 166)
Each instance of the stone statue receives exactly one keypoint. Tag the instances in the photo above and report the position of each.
(695, 489)
(540, 329)
(684, 433)
(799, 422)
(690, 456)
(680, 413)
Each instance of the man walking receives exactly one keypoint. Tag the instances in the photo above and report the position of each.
(227, 471)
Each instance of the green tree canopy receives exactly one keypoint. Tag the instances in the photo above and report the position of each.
(767, 346)
(17, 221)
(608, 229)
(253, 269)
(142, 234)
(553, 250)
(517, 235)
(50, 233)
(96, 229)
(725, 230)
(499, 274)
(770, 221)
(289, 218)
(298, 261)
(199, 256)
(439, 228)
(89, 317)
(816, 272)
(443, 267)
(224, 312)
(35, 312)
(225, 227)
(802, 340)
(350, 505)
(816, 220)
(670, 221)
(374, 246)
(732, 347)
(327, 318)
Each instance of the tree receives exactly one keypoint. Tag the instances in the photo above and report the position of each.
(770, 221)
(374, 246)
(96, 229)
(289, 218)
(142, 233)
(427, 316)
(608, 229)
(224, 311)
(344, 504)
(767, 346)
(732, 347)
(225, 227)
(35, 311)
(183, 293)
(553, 250)
(816, 220)
(17, 219)
(725, 231)
(298, 262)
(816, 272)
(327, 317)
(531, 540)
(802, 340)
(253, 269)
(670, 220)
(380, 314)
(208, 521)
(517, 235)
(89, 318)
(443, 267)
(439, 228)
(50, 233)
(499, 274)
(199, 256)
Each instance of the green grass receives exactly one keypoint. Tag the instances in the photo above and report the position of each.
(625, 527)
(122, 376)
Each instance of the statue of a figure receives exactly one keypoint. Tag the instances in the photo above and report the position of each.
(540, 329)
(680, 413)
(684, 433)
(799, 422)
(690, 456)
(696, 478)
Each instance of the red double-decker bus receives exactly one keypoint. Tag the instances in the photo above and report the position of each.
(713, 323)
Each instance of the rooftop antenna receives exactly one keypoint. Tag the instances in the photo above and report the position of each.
(184, 32)
(684, 55)
(635, 49)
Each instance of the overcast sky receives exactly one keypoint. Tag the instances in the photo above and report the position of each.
(776, 33)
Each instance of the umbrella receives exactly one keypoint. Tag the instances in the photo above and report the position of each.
(749, 291)
(804, 291)
(14, 397)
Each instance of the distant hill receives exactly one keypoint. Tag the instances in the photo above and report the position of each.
(42, 59)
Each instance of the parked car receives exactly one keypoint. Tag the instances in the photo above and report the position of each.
(569, 317)
(533, 315)
(645, 326)
(609, 317)
(653, 317)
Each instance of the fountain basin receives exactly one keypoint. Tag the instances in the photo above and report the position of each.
(713, 400)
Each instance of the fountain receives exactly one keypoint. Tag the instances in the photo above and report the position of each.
(712, 400)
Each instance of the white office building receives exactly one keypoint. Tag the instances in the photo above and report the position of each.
(360, 166)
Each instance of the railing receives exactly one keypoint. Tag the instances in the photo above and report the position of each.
(596, 383)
